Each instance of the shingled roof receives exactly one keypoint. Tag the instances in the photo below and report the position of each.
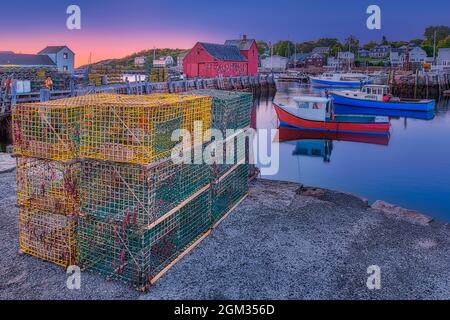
(13, 59)
(224, 52)
(243, 44)
(52, 49)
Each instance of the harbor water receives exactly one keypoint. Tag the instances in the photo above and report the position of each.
(411, 168)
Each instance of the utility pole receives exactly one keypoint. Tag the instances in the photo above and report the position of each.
(434, 47)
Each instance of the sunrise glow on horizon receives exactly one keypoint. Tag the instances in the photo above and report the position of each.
(112, 30)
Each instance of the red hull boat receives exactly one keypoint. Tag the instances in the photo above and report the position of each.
(331, 123)
(286, 134)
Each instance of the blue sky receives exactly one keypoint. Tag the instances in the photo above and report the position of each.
(133, 24)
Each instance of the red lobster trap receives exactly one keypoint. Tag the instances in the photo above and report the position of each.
(48, 185)
(48, 236)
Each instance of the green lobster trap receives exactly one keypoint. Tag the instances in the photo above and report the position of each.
(229, 190)
(135, 193)
(230, 110)
(135, 255)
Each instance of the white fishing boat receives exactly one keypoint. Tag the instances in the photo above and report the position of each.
(353, 80)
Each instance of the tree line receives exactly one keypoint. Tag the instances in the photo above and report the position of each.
(287, 48)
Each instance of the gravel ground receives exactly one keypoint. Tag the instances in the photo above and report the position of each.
(281, 243)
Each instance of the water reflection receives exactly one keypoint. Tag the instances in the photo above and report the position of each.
(410, 168)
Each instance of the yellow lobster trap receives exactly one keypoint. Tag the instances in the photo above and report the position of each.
(138, 129)
(50, 130)
(50, 237)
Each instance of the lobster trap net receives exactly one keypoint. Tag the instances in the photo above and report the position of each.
(50, 130)
(50, 237)
(48, 185)
(230, 110)
(138, 194)
(138, 129)
(136, 256)
(229, 190)
(223, 155)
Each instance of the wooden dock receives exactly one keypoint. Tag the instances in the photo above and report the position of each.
(259, 83)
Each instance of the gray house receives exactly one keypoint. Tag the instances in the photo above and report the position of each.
(62, 56)
(9, 59)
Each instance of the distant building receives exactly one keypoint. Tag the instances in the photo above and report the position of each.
(315, 60)
(443, 59)
(299, 60)
(333, 62)
(212, 60)
(363, 53)
(321, 50)
(25, 60)
(396, 58)
(346, 59)
(139, 61)
(249, 50)
(163, 62)
(417, 56)
(180, 60)
(274, 63)
(380, 52)
(62, 56)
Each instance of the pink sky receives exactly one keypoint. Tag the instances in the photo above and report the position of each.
(102, 46)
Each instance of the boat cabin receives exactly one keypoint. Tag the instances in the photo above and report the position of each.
(379, 90)
(314, 108)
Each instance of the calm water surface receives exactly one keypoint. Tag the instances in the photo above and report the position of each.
(411, 168)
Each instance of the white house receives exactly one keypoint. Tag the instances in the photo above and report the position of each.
(139, 61)
(180, 60)
(346, 55)
(396, 58)
(417, 55)
(274, 63)
(322, 50)
(163, 62)
(380, 52)
(332, 62)
(346, 58)
(362, 53)
(62, 56)
(443, 59)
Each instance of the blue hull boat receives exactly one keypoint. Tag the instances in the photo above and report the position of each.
(403, 104)
(337, 84)
(345, 109)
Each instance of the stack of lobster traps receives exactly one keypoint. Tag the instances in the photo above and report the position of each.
(103, 184)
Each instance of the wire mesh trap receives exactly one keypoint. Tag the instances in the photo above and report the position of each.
(230, 110)
(138, 129)
(48, 185)
(50, 130)
(229, 190)
(138, 194)
(50, 237)
(135, 255)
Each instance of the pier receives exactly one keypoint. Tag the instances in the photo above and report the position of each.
(256, 84)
